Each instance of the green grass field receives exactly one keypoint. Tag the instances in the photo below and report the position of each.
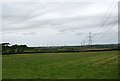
(81, 65)
(0, 67)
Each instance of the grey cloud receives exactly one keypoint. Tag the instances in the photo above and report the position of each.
(19, 14)
(60, 25)
(28, 20)
(110, 21)
(29, 33)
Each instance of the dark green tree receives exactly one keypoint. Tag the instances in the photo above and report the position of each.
(5, 47)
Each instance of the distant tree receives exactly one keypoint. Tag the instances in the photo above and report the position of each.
(5, 44)
(14, 48)
(22, 48)
(5, 47)
(18, 48)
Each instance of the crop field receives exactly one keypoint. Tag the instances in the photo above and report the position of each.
(79, 65)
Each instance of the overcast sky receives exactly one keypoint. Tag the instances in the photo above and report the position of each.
(58, 22)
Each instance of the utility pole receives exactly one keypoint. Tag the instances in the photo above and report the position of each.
(90, 38)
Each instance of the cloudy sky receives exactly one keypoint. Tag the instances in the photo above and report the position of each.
(58, 22)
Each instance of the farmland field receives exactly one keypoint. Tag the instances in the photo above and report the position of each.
(79, 65)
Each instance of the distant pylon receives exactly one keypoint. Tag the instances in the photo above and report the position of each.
(81, 43)
(90, 38)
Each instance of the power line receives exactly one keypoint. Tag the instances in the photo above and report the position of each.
(103, 19)
(104, 22)
(112, 26)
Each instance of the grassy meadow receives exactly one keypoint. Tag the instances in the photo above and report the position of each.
(79, 65)
(0, 67)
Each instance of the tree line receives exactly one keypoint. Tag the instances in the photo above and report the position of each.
(7, 48)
